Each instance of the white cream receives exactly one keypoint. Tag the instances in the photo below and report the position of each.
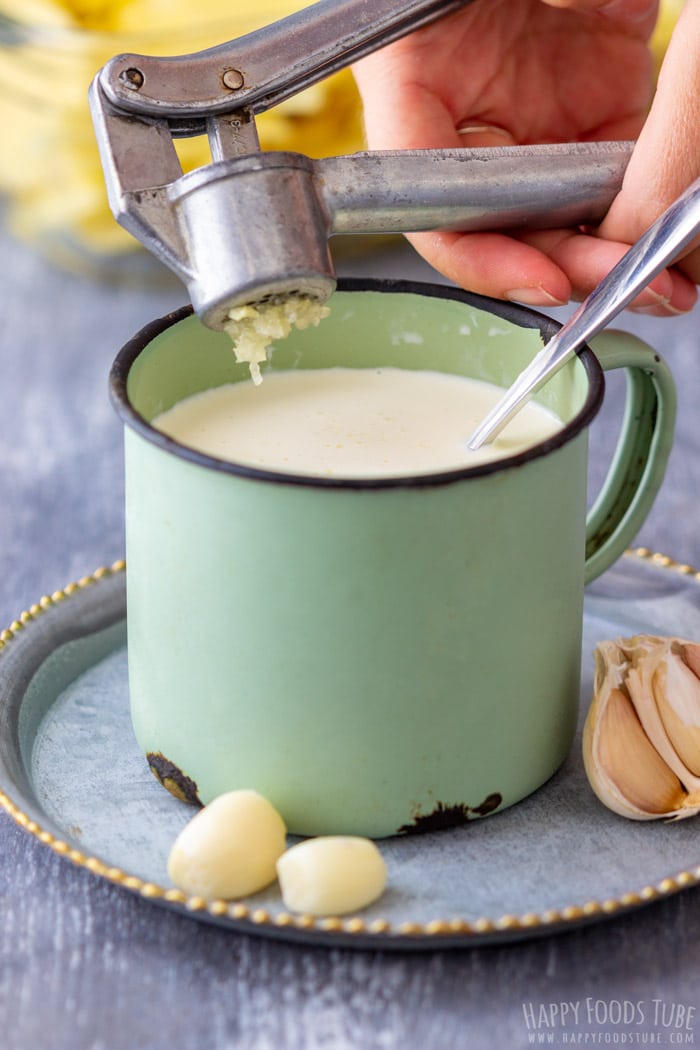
(351, 423)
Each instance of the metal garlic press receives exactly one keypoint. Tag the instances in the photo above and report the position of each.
(254, 226)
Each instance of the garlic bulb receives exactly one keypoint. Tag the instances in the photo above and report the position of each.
(641, 740)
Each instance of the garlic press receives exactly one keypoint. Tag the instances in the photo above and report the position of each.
(254, 226)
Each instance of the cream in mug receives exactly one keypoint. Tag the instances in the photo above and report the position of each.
(351, 423)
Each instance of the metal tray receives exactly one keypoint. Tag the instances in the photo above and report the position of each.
(72, 775)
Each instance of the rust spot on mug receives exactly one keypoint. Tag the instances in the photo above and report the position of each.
(490, 803)
(450, 816)
(173, 779)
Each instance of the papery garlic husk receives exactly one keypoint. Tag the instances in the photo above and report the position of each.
(641, 740)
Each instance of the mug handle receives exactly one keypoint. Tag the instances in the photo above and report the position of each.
(642, 451)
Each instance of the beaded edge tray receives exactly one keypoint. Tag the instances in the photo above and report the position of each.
(72, 776)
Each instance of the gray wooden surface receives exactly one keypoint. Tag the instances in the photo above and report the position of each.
(86, 965)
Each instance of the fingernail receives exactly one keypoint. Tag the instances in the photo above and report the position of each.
(534, 297)
(624, 11)
(483, 129)
(655, 304)
(657, 310)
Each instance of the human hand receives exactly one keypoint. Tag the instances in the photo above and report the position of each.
(504, 72)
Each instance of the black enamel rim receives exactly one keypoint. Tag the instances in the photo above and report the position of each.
(522, 316)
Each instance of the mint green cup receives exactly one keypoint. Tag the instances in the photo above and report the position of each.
(374, 656)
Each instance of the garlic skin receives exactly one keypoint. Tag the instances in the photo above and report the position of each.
(641, 739)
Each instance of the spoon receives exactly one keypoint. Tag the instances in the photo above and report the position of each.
(655, 249)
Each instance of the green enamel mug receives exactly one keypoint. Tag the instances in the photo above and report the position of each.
(384, 655)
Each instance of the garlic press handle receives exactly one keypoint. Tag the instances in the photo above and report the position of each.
(261, 69)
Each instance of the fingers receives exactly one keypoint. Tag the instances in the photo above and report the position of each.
(586, 260)
(497, 265)
(398, 112)
(408, 106)
(545, 268)
(667, 156)
(419, 121)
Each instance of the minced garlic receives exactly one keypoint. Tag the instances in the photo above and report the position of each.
(253, 329)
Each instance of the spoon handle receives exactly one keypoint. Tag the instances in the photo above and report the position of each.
(655, 249)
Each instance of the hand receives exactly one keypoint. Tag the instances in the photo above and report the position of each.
(504, 72)
(667, 155)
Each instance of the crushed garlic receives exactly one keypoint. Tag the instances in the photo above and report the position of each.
(253, 329)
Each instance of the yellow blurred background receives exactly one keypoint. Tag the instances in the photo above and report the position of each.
(50, 172)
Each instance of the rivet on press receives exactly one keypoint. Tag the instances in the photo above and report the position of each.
(131, 79)
(233, 79)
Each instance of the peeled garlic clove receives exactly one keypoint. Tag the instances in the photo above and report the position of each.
(331, 875)
(230, 848)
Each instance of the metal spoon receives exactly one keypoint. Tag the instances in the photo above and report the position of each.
(671, 232)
